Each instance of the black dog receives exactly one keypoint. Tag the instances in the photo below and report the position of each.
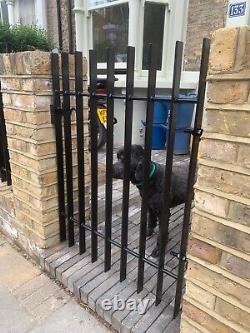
(156, 184)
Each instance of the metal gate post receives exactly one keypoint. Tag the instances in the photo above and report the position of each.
(192, 171)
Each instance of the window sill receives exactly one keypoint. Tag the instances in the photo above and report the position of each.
(189, 80)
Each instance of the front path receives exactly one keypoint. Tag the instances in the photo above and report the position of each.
(30, 302)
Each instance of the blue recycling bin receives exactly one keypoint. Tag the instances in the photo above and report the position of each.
(158, 137)
(159, 119)
(184, 115)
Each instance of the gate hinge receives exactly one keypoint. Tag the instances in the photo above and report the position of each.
(178, 255)
(194, 131)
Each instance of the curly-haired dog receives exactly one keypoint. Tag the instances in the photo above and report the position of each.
(156, 184)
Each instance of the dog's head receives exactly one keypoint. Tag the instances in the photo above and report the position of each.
(137, 160)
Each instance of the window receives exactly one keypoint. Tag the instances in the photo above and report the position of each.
(110, 29)
(27, 11)
(118, 23)
(4, 12)
(154, 19)
(92, 3)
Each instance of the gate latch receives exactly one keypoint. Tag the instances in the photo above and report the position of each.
(178, 256)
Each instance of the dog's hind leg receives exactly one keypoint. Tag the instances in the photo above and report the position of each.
(152, 222)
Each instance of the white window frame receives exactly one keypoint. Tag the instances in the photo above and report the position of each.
(142, 72)
(173, 31)
(108, 4)
(102, 65)
(175, 28)
(1, 10)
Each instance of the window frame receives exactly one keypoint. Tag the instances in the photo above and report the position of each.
(106, 5)
(143, 72)
(175, 27)
(103, 65)
(1, 12)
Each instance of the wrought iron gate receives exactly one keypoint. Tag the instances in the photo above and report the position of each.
(5, 171)
(61, 117)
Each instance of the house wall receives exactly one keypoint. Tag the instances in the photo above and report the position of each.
(203, 17)
(218, 276)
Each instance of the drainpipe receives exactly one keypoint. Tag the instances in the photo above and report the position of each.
(11, 15)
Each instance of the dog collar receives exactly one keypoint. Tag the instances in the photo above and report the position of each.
(151, 174)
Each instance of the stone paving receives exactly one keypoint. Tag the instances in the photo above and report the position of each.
(30, 302)
(91, 285)
(44, 306)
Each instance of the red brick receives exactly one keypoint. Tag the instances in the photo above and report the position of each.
(204, 251)
(205, 320)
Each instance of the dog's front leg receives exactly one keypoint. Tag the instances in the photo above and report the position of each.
(152, 222)
(163, 236)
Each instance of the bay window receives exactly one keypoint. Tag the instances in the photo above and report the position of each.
(118, 23)
(110, 29)
(27, 12)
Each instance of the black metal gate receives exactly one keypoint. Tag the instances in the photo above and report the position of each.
(5, 171)
(61, 117)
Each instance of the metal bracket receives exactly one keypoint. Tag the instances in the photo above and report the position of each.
(194, 131)
(178, 256)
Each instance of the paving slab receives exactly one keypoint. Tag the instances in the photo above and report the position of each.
(27, 289)
(14, 268)
(70, 318)
(35, 304)
(14, 317)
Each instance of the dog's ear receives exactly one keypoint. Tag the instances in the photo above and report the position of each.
(120, 154)
(139, 171)
(139, 151)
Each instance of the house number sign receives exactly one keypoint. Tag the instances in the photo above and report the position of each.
(237, 9)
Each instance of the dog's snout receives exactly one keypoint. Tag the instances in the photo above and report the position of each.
(117, 171)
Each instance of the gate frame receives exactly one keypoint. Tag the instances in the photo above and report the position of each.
(61, 110)
(5, 170)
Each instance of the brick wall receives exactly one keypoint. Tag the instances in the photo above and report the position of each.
(29, 209)
(218, 277)
(203, 17)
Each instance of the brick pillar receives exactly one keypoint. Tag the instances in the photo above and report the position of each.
(27, 96)
(217, 296)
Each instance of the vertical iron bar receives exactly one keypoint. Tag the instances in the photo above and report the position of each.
(80, 149)
(59, 22)
(6, 171)
(109, 156)
(165, 214)
(70, 30)
(68, 145)
(59, 143)
(127, 153)
(93, 140)
(148, 137)
(192, 171)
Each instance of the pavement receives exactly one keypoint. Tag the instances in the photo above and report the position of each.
(31, 302)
